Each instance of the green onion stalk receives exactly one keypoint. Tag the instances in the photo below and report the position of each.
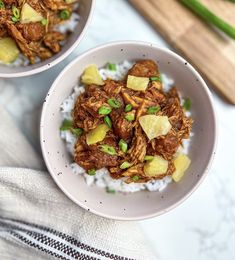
(201, 10)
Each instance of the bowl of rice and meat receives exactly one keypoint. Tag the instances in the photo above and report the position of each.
(121, 134)
(130, 127)
(36, 35)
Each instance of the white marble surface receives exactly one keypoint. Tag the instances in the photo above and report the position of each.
(203, 227)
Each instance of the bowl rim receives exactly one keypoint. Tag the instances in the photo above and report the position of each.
(214, 121)
(60, 58)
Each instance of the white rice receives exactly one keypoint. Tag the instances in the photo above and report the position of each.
(102, 178)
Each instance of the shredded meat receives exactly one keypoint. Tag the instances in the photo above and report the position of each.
(121, 127)
(137, 150)
(145, 68)
(21, 41)
(32, 31)
(126, 127)
(3, 31)
(10, 2)
(112, 87)
(52, 41)
(173, 109)
(85, 112)
(55, 4)
(166, 145)
(44, 53)
(92, 157)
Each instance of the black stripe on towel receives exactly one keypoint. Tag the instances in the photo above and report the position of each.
(52, 243)
(44, 250)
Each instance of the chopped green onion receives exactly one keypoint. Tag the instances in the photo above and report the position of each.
(135, 178)
(130, 117)
(44, 22)
(187, 104)
(148, 157)
(123, 145)
(108, 121)
(208, 16)
(91, 172)
(14, 19)
(108, 149)
(2, 5)
(76, 131)
(128, 108)
(112, 66)
(66, 125)
(16, 12)
(109, 190)
(104, 110)
(125, 165)
(153, 109)
(156, 78)
(65, 14)
(114, 103)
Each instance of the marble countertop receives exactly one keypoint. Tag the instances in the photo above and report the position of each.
(203, 227)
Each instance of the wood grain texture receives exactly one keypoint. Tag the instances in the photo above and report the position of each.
(209, 50)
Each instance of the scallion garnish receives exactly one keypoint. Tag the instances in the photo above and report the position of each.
(67, 125)
(148, 157)
(16, 12)
(130, 117)
(108, 149)
(114, 103)
(65, 14)
(109, 190)
(14, 19)
(2, 5)
(156, 78)
(91, 172)
(123, 145)
(112, 66)
(153, 109)
(104, 110)
(76, 131)
(44, 22)
(187, 104)
(135, 178)
(208, 16)
(128, 108)
(125, 165)
(108, 121)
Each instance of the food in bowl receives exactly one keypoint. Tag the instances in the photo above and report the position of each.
(32, 31)
(125, 127)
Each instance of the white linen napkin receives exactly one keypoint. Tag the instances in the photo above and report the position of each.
(37, 221)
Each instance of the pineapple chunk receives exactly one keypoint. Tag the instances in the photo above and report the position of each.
(91, 76)
(157, 166)
(181, 164)
(9, 51)
(97, 135)
(137, 83)
(155, 126)
(28, 14)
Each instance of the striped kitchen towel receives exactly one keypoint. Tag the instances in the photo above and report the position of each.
(37, 221)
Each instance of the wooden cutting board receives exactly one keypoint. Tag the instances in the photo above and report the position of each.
(210, 51)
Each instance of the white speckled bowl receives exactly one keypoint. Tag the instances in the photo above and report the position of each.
(142, 204)
(85, 11)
